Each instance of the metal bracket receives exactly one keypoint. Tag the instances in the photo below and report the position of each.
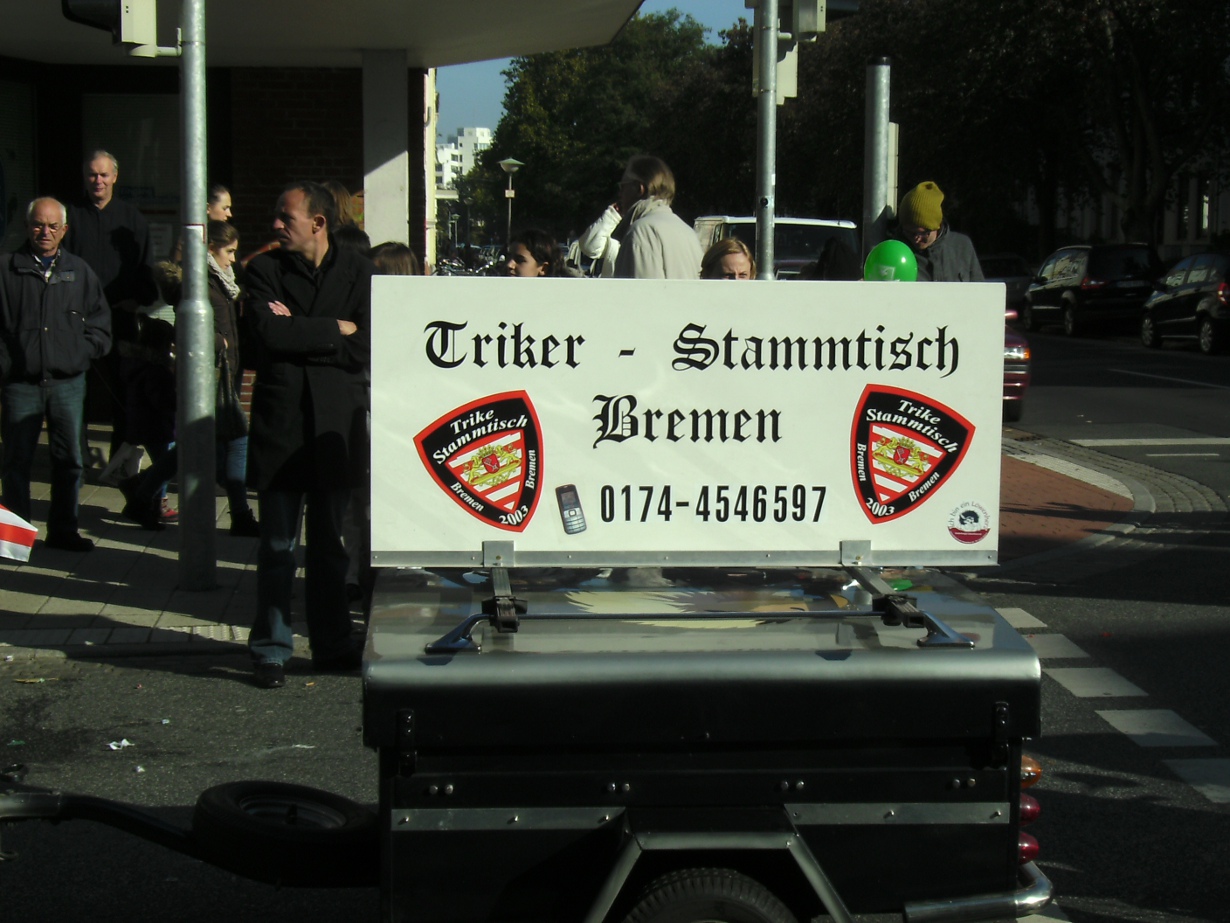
(501, 610)
(900, 610)
(499, 554)
(855, 553)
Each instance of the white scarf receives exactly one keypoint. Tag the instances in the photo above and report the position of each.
(225, 276)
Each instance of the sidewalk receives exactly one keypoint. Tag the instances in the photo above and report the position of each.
(122, 599)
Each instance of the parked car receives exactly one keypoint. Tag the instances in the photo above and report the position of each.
(1016, 374)
(1192, 301)
(1013, 271)
(796, 241)
(1083, 286)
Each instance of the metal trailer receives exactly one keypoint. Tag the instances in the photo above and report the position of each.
(719, 705)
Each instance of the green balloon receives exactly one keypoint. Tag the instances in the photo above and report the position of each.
(890, 261)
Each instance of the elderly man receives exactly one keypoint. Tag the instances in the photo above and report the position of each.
(112, 236)
(655, 243)
(53, 320)
(309, 310)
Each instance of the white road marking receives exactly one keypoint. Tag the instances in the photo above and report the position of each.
(1166, 440)
(1209, 777)
(1050, 912)
(1182, 381)
(1019, 618)
(1055, 647)
(1157, 728)
(1094, 682)
(1182, 454)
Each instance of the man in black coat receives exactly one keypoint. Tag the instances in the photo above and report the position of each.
(309, 311)
(53, 320)
(112, 236)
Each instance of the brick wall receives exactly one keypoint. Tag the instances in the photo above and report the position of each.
(286, 125)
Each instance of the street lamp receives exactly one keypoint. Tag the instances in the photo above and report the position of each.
(509, 166)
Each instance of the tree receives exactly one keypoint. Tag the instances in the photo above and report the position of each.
(575, 117)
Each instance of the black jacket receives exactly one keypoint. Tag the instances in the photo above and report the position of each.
(115, 242)
(309, 404)
(53, 324)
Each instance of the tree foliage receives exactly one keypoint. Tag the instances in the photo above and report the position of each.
(1053, 103)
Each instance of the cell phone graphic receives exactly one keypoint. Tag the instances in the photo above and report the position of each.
(570, 508)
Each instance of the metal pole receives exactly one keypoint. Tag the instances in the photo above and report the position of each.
(876, 206)
(508, 227)
(194, 326)
(766, 135)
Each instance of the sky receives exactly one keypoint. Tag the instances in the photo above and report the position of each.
(472, 95)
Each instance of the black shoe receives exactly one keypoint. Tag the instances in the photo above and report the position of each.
(268, 675)
(149, 514)
(68, 541)
(346, 662)
(244, 525)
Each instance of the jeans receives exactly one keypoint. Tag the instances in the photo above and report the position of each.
(232, 473)
(325, 603)
(24, 406)
(231, 468)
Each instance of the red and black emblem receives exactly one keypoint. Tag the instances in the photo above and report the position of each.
(905, 446)
(487, 456)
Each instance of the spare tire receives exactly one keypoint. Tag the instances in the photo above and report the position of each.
(287, 834)
(708, 896)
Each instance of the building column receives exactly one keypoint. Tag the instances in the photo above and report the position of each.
(386, 145)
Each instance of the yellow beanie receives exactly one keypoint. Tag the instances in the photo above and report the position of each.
(920, 207)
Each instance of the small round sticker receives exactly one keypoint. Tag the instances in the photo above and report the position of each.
(969, 523)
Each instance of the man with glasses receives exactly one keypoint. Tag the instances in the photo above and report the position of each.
(54, 319)
(943, 255)
(654, 242)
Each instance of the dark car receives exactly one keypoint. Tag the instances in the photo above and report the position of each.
(1085, 286)
(1013, 271)
(1192, 301)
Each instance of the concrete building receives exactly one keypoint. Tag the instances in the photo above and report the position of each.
(459, 153)
(336, 91)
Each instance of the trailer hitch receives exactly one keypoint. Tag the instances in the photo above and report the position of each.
(56, 806)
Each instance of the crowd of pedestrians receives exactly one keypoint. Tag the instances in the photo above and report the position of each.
(84, 309)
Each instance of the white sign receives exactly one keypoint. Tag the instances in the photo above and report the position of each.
(581, 421)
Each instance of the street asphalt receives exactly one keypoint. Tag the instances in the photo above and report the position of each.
(1058, 503)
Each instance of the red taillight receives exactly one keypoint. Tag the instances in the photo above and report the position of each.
(1223, 292)
(1027, 848)
(1030, 809)
(1088, 283)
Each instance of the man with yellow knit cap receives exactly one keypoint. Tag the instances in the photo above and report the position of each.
(943, 254)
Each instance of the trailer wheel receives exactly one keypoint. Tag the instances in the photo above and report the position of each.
(287, 834)
(708, 896)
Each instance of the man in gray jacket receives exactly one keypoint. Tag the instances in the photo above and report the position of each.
(654, 242)
(943, 255)
(54, 320)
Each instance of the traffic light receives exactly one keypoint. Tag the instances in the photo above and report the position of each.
(130, 22)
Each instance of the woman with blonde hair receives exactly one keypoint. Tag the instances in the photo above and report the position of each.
(729, 259)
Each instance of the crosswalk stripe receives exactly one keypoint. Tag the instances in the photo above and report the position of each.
(1094, 682)
(1157, 727)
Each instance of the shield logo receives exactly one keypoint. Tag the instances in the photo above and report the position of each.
(904, 447)
(487, 458)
